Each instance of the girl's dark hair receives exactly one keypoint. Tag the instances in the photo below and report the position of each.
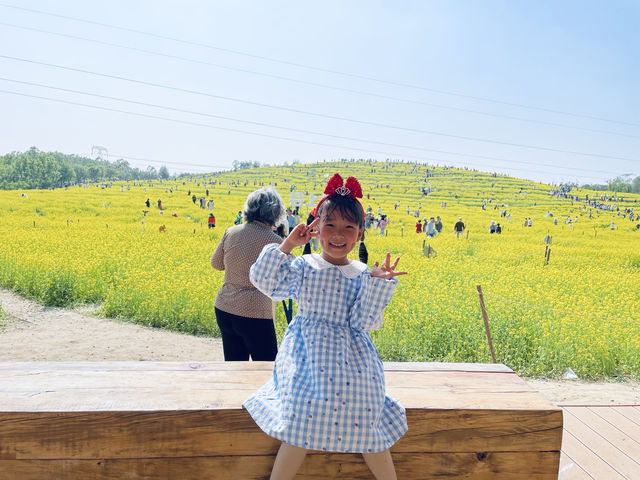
(347, 206)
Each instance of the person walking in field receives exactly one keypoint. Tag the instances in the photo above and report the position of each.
(327, 391)
(459, 227)
(291, 220)
(430, 229)
(313, 242)
(438, 224)
(211, 222)
(384, 221)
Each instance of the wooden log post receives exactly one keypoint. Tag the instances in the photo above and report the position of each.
(486, 323)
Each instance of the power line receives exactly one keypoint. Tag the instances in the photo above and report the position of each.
(162, 162)
(306, 112)
(156, 117)
(315, 68)
(320, 85)
(262, 124)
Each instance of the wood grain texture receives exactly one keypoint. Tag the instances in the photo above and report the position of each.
(570, 470)
(109, 386)
(452, 466)
(605, 434)
(239, 366)
(588, 459)
(174, 420)
(61, 435)
(621, 422)
(612, 450)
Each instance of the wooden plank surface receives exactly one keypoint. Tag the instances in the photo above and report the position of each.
(25, 380)
(622, 423)
(233, 432)
(429, 466)
(570, 470)
(588, 460)
(608, 436)
(600, 441)
(607, 451)
(169, 420)
(632, 414)
(235, 366)
(106, 386)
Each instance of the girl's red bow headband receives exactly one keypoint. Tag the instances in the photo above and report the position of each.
(337, 187)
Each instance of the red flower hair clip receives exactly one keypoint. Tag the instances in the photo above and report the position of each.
(336, 186)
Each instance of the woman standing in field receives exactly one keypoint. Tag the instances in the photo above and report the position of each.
(244, 315)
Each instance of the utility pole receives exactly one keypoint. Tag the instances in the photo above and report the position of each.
(99, 152)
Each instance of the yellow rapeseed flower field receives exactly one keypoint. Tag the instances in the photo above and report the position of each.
(86, 244)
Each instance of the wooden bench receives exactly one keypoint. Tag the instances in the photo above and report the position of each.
(184, 421)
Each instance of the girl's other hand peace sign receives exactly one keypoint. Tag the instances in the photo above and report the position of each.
(386, 270)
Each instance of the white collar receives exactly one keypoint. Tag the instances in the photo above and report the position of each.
(351, 270)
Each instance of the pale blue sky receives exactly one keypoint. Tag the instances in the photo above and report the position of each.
(439, 74)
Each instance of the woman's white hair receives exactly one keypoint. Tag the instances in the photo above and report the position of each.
(264, 205)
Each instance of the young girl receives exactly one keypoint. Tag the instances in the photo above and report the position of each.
(327, 391)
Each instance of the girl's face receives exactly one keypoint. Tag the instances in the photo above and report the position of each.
(337, 235)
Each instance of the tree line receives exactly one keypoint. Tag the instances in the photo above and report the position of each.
(622, 184)
(36, 169)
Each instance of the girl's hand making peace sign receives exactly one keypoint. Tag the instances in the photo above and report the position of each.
(300, 235)
(386, 270)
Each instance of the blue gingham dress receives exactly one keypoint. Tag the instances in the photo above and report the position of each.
(327, 390)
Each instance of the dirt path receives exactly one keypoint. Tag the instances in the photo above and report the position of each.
(36, 333)
(32, 332)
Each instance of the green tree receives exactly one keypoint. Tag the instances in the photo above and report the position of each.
(82, 173)
(36, 169)
(67, 174)
(95, 173)
(151, 172)
(619, 184)
(163, 173)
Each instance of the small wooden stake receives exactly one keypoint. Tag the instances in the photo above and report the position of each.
(486, 323)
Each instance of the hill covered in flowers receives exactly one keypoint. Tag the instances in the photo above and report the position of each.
(575, 306)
